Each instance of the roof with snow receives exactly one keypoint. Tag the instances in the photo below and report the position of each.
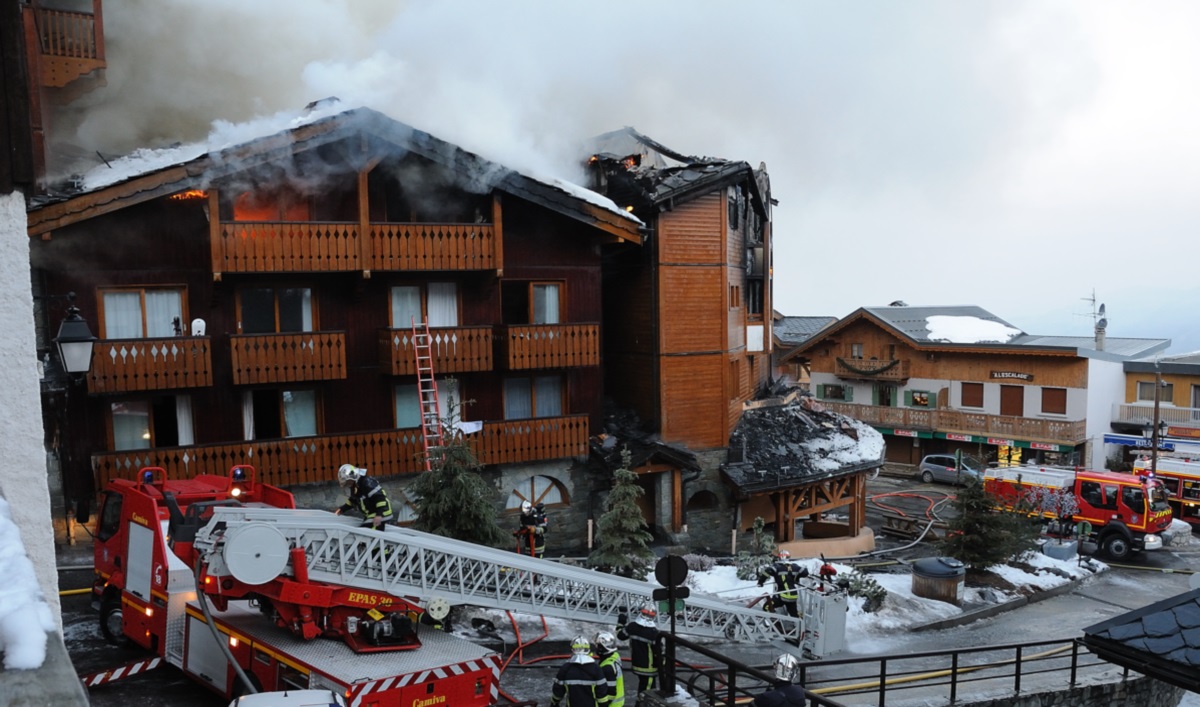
(149, 174)
(964, 327)
(1179, 364)
(795, 441)
(1161, 640)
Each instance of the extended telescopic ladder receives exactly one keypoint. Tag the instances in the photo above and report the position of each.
(408, 563)
(427, 394)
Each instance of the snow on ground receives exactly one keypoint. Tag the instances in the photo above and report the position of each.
(25, 618)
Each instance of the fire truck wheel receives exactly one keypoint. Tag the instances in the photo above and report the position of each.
(1116, 546)
(111, 618)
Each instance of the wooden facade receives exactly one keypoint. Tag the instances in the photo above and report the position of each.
(316, 377)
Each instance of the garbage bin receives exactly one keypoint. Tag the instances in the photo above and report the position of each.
(939, 578)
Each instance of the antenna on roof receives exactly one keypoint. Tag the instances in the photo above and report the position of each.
(1096, 313)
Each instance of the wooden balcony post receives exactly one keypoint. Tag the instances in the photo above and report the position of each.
(498, 233)
(364, 225)
(214, 232)
(98, 29)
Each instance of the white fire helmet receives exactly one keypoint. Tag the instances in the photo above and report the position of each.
(604, 642)
(581, 650)
(787, 667)
(526, 507)
(348, 474)
(784, 555)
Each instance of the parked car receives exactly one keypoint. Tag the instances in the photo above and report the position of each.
(948, 470)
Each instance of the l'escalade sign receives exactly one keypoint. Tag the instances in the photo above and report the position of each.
(1012, 375)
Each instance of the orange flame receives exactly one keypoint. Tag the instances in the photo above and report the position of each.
(189, 195)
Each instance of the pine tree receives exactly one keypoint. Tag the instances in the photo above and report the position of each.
(981, 537)
(622, 540)
(762, 551)
(453, 500)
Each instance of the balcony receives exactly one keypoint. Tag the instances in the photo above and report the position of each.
(302, 460)
(1139, 414)
(270, 246)
(454, 350)
(71, 43)
(1065, 432)
(128, 365)
(288, 358)
(432, 246)
(551, 346)
(871, 369)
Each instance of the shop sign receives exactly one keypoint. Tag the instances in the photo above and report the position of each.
(1044, 447)
(959, 438)
(1001, 442)
(1192, 432)
(1012, 375)
(905, 433)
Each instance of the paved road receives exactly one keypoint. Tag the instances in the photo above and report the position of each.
(1099, 598)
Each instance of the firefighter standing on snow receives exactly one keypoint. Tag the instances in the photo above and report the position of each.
(531, 536)
(580, 682)
(366, 497)
(645, 646)
(786, 580)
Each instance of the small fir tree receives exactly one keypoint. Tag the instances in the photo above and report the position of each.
(982, 536)
(762, 551)
(453, 500)
(622, 540)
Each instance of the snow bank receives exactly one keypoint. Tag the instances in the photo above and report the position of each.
(25, 618)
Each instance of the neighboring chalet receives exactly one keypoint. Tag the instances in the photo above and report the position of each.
(1177, 403)
(791, 332)
(255, 304)
(940, 379)
(687, 317)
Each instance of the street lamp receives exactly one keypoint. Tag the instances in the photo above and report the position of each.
(75, 342)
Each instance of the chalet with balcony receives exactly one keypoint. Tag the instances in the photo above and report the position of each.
(256, 304)
(940, 379)
(687, 317)
(1162, 391)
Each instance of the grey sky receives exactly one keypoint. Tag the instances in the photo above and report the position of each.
(1013, 155)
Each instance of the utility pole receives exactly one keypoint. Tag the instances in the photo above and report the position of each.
(1154, 432)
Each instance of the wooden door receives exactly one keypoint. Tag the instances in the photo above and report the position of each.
(1012, 400)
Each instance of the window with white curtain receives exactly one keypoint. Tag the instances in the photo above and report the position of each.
(435, 301)
(274, 414)
(163, 421)
(275, 310)
(545, 303)
(408, 405)
(137, 313)
(537, 396)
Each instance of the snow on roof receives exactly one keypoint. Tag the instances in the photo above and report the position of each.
(968, 330)
(225, 135)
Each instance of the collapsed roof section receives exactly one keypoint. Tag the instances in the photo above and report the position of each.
(645, 176)
(368, 134)
(791, 441)
(623, 430)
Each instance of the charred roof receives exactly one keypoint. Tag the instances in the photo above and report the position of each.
(793, 440)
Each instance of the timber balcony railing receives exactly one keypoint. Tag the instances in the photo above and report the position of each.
(302, 460)
(71, 46)
(261, 246)
(869, 369)
(1057, 431)
(551, 346)
(454, 350)
(125, 365)
(285, 358)
(1141, 414)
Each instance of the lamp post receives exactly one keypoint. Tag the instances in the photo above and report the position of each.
(1155, 429)
(75, 343)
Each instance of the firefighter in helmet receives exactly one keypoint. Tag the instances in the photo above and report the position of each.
(531, 536)
(366, 496)
(580, 682)
(645, 646)
(604, 648)
(787, 578)
(784, 692)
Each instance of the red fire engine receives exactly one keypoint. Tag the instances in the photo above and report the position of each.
(1125, 512)
(1181, 478)
(271, 623)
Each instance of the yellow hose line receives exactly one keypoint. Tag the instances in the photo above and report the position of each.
(72, 592)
